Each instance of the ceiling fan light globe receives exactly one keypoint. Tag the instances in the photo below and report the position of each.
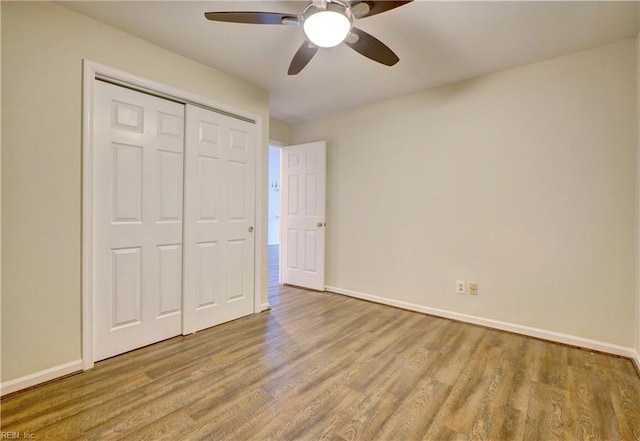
(327, 28)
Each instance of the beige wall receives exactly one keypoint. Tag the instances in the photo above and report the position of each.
(523, 181)
(280, 131)
(43, 45)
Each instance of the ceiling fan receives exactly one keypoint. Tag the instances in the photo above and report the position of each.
(326, 23)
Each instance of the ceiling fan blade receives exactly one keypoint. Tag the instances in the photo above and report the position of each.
(270, 18)
(374, 7)
(302, 57)
(371, 47)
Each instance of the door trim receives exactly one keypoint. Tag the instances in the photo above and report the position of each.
(92, 71)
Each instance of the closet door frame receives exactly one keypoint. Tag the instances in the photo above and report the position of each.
(93, 71)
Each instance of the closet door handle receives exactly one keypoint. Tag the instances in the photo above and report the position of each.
(250, 229)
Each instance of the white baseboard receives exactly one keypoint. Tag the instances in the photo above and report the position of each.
(265, 307)
(40, 377)
(495, 324)
(636, 360)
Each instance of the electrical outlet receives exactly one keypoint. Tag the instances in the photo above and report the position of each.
(460, 287)
(473, 288)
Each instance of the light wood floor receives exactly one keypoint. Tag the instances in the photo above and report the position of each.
(324, 366)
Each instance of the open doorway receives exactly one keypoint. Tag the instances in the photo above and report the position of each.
(274, 215)
(297, 189)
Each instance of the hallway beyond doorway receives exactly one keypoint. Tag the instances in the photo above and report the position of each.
(274, 260)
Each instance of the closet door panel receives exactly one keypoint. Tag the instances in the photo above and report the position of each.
(138, 210)
(219, 219)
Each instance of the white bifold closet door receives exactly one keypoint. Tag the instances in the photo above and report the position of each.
(138, 170)
(219, 219)
(164, 266)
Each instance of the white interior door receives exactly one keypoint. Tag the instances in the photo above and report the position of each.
(138, 166)
(219, 219)
(302, 243)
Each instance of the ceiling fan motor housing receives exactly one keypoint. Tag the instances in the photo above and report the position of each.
(327, 23)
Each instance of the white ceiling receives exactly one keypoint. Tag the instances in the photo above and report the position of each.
(437, 42)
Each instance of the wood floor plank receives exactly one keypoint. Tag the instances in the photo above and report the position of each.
(552, 365)
(303, 407)
(508, 425)
(55, 405)
(169, 427)
(383, 396)
(441, 432)
(519, 361)
(474, 384)
(548, 416)
(228, 416)
(592, 406)
(459, 345)
(624, 391)
(321, 366)
(413, 418)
